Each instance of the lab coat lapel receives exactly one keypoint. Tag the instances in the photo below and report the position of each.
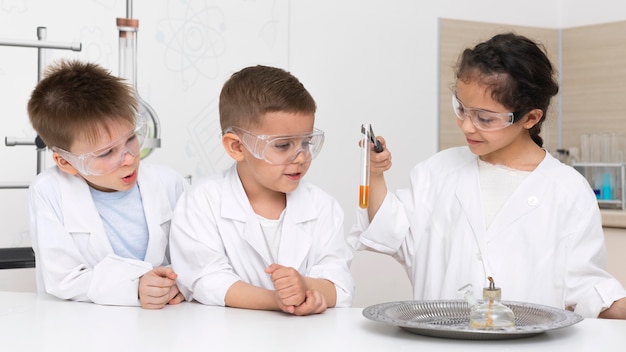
(85, 220)
(238, 209)
(158, 213)
(468, 195)
(296, 241)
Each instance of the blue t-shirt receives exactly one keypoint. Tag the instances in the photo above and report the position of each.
(124, 221)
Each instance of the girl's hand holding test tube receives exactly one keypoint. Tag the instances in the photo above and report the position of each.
(368, 143)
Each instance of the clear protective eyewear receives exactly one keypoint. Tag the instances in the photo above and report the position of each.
(485, 120)
(110, 157)
(281, 149)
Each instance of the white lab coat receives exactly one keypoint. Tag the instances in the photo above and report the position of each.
(216, 240)
(74, 258)
(545, 245)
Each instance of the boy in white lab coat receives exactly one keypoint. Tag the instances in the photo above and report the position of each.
(257, 236)
(99, 223)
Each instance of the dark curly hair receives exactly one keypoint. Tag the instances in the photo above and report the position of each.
(517, 72)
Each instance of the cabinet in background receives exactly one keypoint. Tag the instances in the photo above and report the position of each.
(616, 246)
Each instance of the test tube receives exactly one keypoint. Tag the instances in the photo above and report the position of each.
(595, 149)
(364, 187)
(585, 148)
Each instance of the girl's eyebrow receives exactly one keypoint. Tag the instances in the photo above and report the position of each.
(475, 109)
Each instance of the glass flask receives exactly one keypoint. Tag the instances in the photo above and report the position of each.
(490, 313)
(128, 28)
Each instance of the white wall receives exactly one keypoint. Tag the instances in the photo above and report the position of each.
(587, 12)
(363, 60)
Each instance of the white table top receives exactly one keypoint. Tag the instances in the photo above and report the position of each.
(31, 322)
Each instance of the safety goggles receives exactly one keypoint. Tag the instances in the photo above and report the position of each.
(281, 149)
(485, 120)
(110, 157)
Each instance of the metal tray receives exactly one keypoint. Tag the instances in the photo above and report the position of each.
(450, 319)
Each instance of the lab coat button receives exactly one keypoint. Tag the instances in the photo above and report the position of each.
(532, 201)
(479, 257)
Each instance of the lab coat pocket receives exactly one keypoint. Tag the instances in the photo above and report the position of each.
(81, 241)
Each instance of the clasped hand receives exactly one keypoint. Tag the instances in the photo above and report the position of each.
(292, 294)
(158, 287)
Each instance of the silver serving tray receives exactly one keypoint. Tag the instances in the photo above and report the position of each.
(450, 319)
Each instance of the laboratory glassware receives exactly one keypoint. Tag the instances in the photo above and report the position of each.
(367, 137)
(128, 28)
(491, 313)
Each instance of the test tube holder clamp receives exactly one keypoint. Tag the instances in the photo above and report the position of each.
(41, 44)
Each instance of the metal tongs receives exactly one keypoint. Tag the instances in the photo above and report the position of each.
(378, 147)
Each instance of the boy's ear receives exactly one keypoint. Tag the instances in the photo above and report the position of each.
(63, 164)
(233, 146)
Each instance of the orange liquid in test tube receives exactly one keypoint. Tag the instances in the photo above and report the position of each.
(364, 196)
